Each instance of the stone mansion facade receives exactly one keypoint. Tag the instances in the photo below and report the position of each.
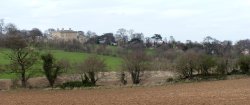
(68, 35)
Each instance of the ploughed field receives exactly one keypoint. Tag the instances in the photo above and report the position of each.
(228, 92)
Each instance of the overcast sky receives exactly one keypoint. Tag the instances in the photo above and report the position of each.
(183, 19)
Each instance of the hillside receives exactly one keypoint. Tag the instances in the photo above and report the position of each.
(113, 63)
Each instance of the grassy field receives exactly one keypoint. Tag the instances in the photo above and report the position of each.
(3, 56)
(113, 63)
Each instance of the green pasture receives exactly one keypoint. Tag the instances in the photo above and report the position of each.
(113, 63)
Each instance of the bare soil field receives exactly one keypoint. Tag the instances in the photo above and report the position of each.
(228, 92)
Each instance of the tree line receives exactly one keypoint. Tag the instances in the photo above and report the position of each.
(140, 54)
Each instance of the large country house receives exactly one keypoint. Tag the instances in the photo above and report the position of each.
(68, 35)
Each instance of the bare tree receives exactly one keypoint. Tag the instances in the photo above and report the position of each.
(1, 33)
(90, 68)
(22, 56)
(242, 45)
(48, 33)
(136, 42)
(1, 26)
(21, 62)
(122, 31)
(121, 75)
(212, 46)
(148, 42)
(187, 64)
(121, 36)
(90, 34)
(10, 29)
(130, 32)
(136, 62)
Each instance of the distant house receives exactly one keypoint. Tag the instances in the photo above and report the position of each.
(68, 35)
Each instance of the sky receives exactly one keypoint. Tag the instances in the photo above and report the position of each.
(182, 19)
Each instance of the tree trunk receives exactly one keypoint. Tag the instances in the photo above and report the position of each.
(51, 83)
(123, 78)
(135, 77)
(23, 77)
(92, 77)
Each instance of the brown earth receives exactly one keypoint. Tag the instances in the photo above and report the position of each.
(228, 92)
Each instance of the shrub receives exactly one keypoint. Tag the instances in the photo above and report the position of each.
(76, 84)
(244, 64)
(91, 67)
(170, 79)
(187, 63)
(206, 63)
(136, 63)
(221, 67)
(123, 78)
(51, 69)
(234, 72)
